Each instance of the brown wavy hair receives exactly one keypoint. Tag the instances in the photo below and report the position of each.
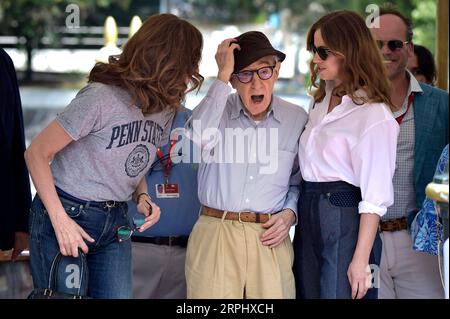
(346, 34)
(158, 65)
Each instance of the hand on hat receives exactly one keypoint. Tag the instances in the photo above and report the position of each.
(225, 59)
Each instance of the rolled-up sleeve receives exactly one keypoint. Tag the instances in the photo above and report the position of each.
(373, 160)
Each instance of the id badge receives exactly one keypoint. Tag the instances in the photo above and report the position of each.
(167, 191)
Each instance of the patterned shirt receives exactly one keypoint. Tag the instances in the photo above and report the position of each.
(404, 189)
(426, 231)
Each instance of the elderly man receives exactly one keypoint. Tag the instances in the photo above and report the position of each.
(248, 178)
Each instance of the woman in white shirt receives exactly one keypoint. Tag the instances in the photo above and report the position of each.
(347, 160)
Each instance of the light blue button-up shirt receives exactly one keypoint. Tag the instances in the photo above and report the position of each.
(246, 165)
(178, 215)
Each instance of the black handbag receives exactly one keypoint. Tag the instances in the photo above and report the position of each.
(51, 293)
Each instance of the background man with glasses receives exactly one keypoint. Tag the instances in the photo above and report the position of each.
(240, 246)
(422, 112)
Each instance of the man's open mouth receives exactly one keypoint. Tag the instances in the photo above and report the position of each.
(257, 98)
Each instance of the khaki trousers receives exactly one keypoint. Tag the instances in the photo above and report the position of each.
(405, 273)
(158, 271)
(226, 259)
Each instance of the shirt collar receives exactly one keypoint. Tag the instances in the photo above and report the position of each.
(329, 86)
(236, 107)
(360, 96)
(414, 85)
(360, 93)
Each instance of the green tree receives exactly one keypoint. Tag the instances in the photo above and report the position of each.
(35, 21)
(422, 13)
(424, 18)
(30, 21)
(306, 12)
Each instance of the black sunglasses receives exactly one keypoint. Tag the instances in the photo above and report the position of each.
(264, 73)
(323, 52)
(392, 44)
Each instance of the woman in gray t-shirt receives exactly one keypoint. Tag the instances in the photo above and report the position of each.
(100, 148)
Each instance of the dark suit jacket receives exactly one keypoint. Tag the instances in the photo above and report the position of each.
(431, 120)
(15, 196)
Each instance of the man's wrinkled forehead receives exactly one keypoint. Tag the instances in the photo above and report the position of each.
(389, 26)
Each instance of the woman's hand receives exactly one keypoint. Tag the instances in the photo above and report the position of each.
(150, 210)
(359, 273)
(70, 235)
(225, 59)
(360, 278)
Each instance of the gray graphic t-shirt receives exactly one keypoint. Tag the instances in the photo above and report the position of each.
(114, 144)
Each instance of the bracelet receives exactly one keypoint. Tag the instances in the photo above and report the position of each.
(139, 196)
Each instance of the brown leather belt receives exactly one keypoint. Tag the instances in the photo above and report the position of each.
(393, 225)
(250, 217)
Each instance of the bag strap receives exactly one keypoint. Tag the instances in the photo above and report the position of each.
(84, 273)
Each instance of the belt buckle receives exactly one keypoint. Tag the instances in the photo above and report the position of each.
(239, 217)
(110, 204)
(48, 292)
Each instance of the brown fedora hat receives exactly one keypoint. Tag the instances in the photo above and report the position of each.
(254, 46)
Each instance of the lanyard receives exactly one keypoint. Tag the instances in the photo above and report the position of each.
(410, 100)
(167, 165)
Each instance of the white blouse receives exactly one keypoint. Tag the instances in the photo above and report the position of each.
(353, 143)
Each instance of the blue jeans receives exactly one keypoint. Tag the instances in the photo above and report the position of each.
(109, 262)
(325, 241)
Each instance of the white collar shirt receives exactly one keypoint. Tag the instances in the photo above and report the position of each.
(353, 143)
